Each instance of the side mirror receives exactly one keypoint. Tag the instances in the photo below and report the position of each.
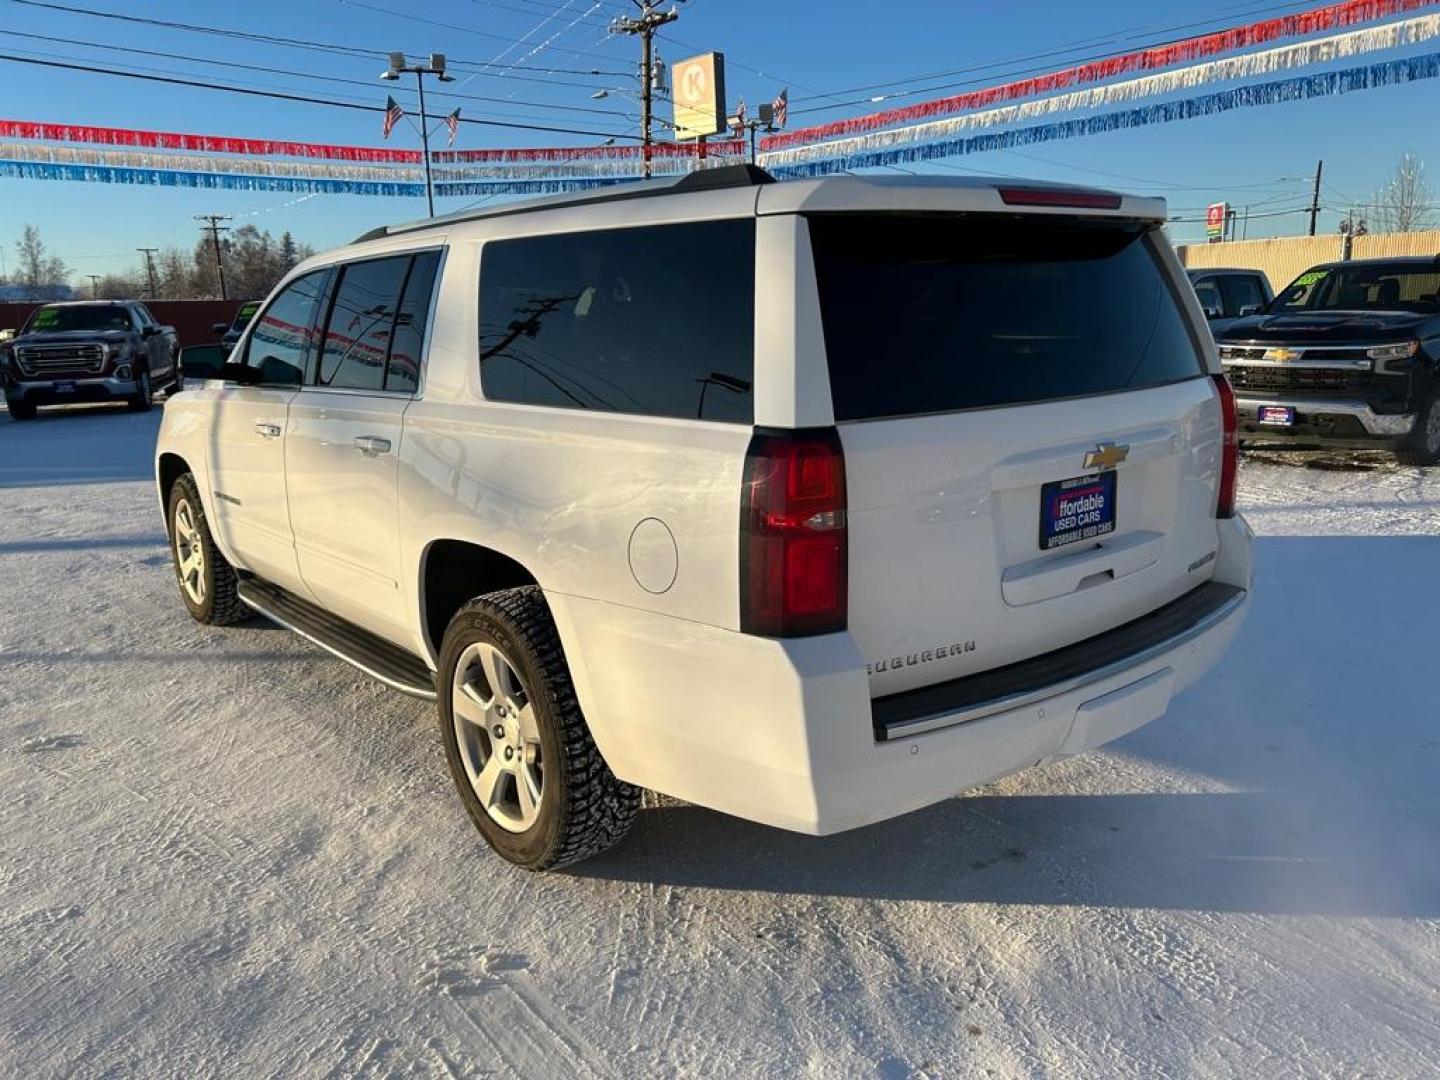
(1213, 313)
(202, 361)
(219, 327)
(149, 331)
(1251, 309)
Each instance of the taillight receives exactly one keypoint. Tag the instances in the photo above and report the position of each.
(1229, 449)
(793, 551)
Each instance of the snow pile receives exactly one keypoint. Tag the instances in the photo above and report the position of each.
(226, 853)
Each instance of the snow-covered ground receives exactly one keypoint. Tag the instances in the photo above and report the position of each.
(227, 854)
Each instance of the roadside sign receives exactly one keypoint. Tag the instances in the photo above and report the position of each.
(698, 94)
(1215, 217)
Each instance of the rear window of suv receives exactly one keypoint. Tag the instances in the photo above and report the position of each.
(926, 314)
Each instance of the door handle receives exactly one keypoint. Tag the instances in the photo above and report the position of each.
(372, 444)
(270, 431)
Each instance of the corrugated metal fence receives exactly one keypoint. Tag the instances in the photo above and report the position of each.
(1283, 259)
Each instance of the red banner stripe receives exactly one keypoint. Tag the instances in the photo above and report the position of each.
(1179, 52)
(214, 144)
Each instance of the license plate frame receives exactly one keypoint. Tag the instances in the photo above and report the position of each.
(1078, 509)
(1275, 415)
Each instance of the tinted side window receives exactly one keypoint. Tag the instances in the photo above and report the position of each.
(402, 373)
(362, 321)
(1242, 291)
(657, 321)
(284, 336)
(935, 313)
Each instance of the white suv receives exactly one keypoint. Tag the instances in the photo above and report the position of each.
(812, 502)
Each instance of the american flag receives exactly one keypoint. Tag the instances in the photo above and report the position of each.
(393, 114)
(740, 113)
(453, 123)
(781, 106)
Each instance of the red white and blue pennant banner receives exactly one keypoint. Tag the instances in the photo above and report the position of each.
(1318, 20)
(1322, 50)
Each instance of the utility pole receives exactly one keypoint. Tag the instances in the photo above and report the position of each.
(436, 67)
(645, 26)
(94, 286)
(1315, 199)
(149, 267)
(215, 229)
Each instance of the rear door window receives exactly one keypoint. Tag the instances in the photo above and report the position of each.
(362, 321)
(927, 314)
(402, 370)
(656, 321)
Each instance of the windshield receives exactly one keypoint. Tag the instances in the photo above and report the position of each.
(53, 319)
(1397, 287)
(245, 314)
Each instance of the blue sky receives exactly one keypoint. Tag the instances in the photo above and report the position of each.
(1264, 157)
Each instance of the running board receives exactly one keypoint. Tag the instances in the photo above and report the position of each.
(373, 655)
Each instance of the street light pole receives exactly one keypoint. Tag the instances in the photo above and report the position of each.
(435, 67)
(425, 143)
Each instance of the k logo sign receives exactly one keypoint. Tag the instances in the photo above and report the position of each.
(1106, 455)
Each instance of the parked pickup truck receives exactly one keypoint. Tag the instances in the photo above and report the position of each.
(1348, 355)
(107, 350)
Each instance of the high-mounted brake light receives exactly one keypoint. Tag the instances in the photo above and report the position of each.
(793, 543)
(1079, 200)
(1229, 449)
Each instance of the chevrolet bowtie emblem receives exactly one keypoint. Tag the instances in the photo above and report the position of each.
(1283, 356)
(1106, 455)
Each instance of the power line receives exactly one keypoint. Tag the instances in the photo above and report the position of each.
(270, 39)
(411, 17)
(336, 79)
(171, 80)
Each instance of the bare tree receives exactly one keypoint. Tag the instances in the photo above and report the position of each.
(40, 274)
(1404, 203)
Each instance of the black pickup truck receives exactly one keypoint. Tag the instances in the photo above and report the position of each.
(104, 350)
(1347, 355)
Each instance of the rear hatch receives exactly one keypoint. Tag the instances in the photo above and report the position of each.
(1032, 441)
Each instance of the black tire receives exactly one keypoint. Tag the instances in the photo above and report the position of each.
(583, 808)
(144, 392)
(219, 604)
(19, 410)
(1422, 446)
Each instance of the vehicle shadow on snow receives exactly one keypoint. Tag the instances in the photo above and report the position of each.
(1313, 747)
(80, 444)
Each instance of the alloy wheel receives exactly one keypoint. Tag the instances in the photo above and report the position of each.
(189, 553)
(498, 737)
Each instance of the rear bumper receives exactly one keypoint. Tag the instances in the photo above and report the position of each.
(1322, 420)
(782, 732)
(53, 392)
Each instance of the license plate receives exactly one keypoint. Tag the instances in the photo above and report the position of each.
(64, 388)
(1078, 509)
(1279, 415)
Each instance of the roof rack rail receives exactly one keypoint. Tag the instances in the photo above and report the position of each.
(724, 176)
